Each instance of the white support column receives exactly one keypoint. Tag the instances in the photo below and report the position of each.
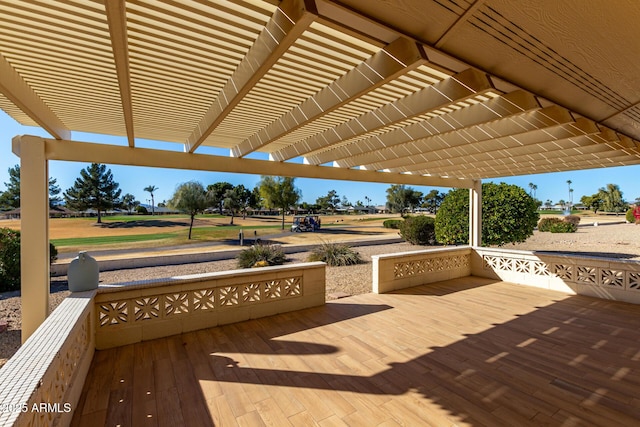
(34, 234)
(475, 214)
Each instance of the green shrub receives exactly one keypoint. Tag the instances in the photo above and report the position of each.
(392, 223)
(563, 227)
(141, 210)
(559, 225)
(545, 224)
(509, 215)
(419, 230)
(10, 259)
(573, 219)
(261, 256)
(335, 254)
(629, 216)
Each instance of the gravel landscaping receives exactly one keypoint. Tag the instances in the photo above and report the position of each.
(618, 240)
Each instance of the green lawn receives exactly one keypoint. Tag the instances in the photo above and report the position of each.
(109, 240)
(178, 237)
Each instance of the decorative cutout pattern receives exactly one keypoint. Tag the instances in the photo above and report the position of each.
(292, 287)
(587, 275)
(147, 308)
(162, 306)
(429, 265)
(564, 272)
(612, 278)
(204, 300)
(176, 304)
(112, 313)
(583, 274)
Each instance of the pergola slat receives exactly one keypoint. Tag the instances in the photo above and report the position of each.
(13, 86)
(290, 20)
(397, 58)
(449, 91)
(498, 117)
(530, 140)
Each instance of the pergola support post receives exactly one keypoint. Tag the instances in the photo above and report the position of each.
(475, 213)
(34, 232)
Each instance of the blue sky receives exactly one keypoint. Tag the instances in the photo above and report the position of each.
(134, 179)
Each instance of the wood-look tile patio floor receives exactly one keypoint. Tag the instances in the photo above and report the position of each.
(466, 352)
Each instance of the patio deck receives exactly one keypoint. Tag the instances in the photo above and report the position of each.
(468, 352)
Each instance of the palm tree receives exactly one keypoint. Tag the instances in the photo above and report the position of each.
(570, 199)
(151, 189)
(534, 188)
(530, 188)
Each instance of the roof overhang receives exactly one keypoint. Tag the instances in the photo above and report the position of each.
(420, 92)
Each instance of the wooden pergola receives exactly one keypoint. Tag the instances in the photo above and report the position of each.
(419, 92)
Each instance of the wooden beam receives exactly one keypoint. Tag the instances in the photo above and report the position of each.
(539, 130)
(396, 59)
(530, 168)
(289, 21)
(507, 162)
(117, 20)
(18, 91)
(119, 155)
(457, 88)
(456, 128)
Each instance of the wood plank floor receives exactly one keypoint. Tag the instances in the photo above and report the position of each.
(466, 352)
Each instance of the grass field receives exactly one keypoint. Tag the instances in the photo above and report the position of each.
(115, 232)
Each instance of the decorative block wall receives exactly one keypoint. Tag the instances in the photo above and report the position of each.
(406, 269)
(159, 308)
(608, 278)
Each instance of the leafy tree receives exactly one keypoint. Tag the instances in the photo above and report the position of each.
(129, 202)
(432, 201)
(593, 202)
(279, 192)
(329, 202)
(231, 202)
(256, 198)
(95, 188)
(217, 193)
(401, 198)
(509, 215)
(10, 199)
(612, 200)
(150, 189)
(190, 197)
(239, 199)
(345, 202)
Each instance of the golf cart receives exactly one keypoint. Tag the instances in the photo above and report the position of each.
(305, 223)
